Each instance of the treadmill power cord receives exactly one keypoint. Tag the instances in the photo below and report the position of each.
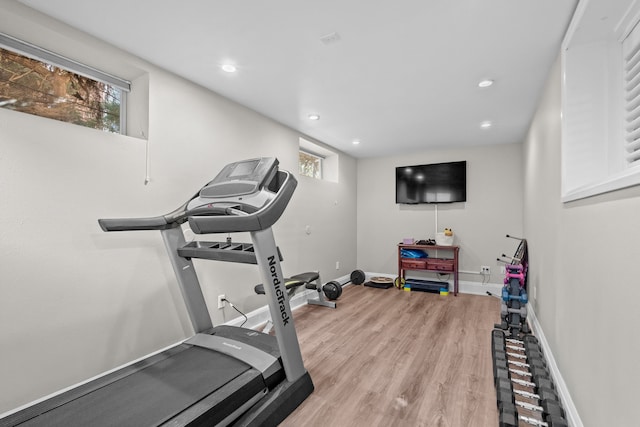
(236, 309)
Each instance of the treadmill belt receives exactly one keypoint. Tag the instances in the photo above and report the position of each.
(152, 395)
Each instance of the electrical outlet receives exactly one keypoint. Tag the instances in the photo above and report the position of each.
(221, 301)
(485, 269)
(337, 265)
(503, 269)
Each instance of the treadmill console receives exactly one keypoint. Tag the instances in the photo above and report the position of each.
(248, 195)
(241, 178)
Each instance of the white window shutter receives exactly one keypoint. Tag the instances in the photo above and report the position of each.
(631, 67)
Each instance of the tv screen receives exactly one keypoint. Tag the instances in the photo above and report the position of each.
(432, 183)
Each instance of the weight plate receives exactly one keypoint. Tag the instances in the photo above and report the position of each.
(332, 290)
(382, 280)
(357, 277)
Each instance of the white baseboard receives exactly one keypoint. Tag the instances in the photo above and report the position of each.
(561, 387)
(258, 317)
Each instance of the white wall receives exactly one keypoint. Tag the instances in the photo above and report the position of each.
(493, 209)
(77, 301)
(583, 258)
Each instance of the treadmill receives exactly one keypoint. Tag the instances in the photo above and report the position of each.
(222, 375)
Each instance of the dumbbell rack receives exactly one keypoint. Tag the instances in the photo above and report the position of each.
(525, 392)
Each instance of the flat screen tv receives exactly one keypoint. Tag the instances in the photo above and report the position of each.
(432, 183)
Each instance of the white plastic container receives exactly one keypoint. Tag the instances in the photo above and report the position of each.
(442, 240)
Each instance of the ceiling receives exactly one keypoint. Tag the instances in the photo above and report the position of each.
(399, 76)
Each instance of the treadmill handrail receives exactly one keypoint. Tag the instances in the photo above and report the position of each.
(126, 224)
(163, 222)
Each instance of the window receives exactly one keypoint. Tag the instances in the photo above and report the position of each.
(631, 54)
(310, 165)
(39, 82)
(317, 161)
(601, 99)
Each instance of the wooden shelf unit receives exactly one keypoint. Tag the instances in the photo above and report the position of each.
(431, 263)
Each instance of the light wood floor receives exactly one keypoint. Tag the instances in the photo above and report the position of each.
(387, 357)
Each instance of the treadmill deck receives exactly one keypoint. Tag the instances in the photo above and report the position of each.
(153, 392)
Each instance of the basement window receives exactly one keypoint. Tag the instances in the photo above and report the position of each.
(631, 65)
(601, 99)
(316, 161)
(39, 82)
(310, 165)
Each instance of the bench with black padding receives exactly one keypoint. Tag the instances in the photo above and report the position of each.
(292, 283)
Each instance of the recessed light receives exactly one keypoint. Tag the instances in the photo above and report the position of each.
(485, 83)
(314, 117)
(229, 68)
(485, 124)
(356, 141)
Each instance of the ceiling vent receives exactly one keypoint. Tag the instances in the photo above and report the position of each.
(330, 38)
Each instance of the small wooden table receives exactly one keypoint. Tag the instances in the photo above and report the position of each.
(433, 264)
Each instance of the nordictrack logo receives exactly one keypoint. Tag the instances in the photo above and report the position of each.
(279, 293)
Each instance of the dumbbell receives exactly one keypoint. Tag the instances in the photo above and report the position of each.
(555, 421)
(541, 382)
(545, 394)
(536, 371)
(544, 383)
(528, 342)
(548, 408)
(539, 371)
(501, 373)
(498, 353)
(497, 340)
(535, 355)
(538, 363)
(539, 379)
(530, 339)
(500, 360)
(504, 396)
(522, 352)
(508, 416)
(549, 404)
(531, 343)
(504, 388)
(542, 394)
(550, 422)
(527, 361)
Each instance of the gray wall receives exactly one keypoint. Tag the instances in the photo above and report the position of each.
(76, 301)
(583, 257)
(493, 209)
